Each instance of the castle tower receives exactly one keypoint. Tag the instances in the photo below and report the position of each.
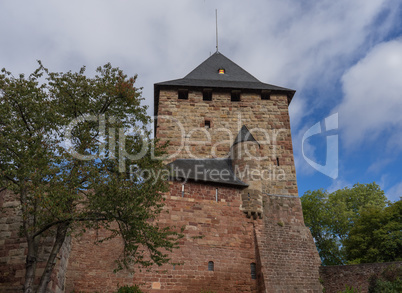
(219, 118)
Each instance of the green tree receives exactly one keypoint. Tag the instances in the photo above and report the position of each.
(330, 216)
(66, 179)
(376, 235)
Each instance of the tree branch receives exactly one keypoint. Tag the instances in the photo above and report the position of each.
(11, 179)
(22, 116)
(69, 221)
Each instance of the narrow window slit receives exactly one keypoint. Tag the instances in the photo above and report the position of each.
(253, 268)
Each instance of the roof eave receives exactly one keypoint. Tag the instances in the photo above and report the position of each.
(177, 84)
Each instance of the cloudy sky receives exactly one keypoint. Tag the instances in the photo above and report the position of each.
(341, 56)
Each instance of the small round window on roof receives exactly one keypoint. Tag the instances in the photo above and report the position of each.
(221, 71)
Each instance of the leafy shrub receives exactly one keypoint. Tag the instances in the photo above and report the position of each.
(389, 287)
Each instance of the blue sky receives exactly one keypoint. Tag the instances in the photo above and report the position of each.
(341, 56)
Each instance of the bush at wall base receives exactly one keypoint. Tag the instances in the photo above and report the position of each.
(350, 290)
(390, 281)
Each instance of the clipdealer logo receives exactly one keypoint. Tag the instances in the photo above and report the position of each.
(330, 168)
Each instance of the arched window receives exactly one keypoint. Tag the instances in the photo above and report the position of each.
(253, 268)
(211, 266)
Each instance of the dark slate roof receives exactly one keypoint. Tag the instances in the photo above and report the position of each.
(206, 170)
(206, 75)
(209, 70)
(244, 135)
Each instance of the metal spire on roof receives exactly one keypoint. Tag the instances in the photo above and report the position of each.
(216, 17)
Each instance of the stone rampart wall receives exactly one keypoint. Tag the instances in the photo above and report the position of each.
(337, 278)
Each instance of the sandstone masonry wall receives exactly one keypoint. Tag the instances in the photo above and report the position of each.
(182, 123)
(336, 278)
(289, 258)
(214, 231)
(12, 247)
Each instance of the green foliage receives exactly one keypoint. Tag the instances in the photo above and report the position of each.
(322, 284)
(376, 235)
(64, 149)
(388, 287)
(390, 281)
(350, 290)
(129, 289)
(331, 216)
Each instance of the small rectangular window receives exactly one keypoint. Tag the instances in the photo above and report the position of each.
(207, 124)
(265, 95)
(235, 96)
(207, 95)
(183, 94)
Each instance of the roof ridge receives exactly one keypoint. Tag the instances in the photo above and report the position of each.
(209, 70)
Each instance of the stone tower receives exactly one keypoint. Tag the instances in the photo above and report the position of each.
(233, 189)
(220, 119)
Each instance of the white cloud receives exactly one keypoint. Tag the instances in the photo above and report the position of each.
(378, 166)
(302, 42)
(395, 192)
(297, 111)
(283, 42)
(372, 103)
